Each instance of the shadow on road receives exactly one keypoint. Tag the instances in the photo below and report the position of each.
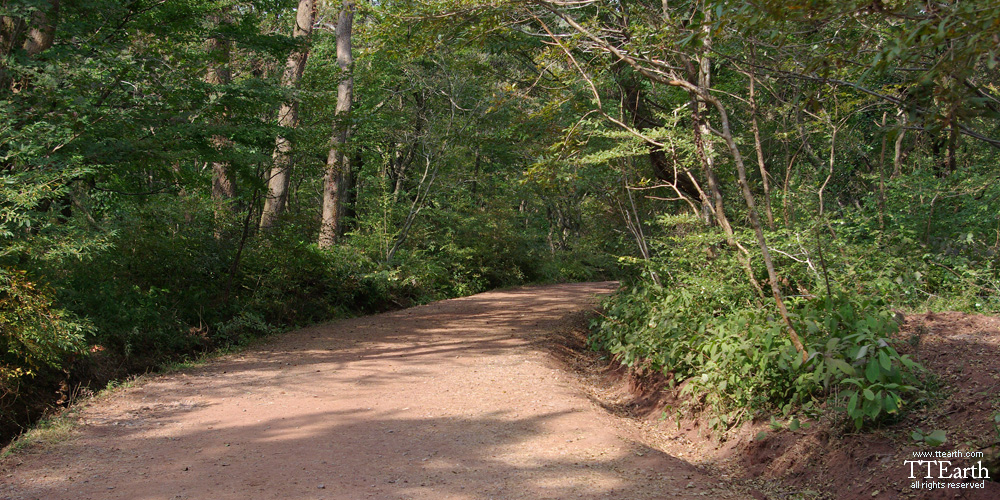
(448, 400)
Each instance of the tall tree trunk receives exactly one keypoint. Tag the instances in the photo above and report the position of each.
(952, 161)
(716, 207)
(42, 32)
(706, 152)
(223, 184)
(634, 102)
(288, 117)
(741, 172)
(881, 174)
(704, 81)
(725, 133)
(337, 180)
(760, 152)
(34, 35)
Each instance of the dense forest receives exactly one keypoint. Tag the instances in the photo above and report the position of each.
(770, 180)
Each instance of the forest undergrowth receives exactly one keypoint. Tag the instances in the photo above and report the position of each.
(774, 185)
(848, 284)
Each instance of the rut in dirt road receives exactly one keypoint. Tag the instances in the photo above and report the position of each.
(452, 400)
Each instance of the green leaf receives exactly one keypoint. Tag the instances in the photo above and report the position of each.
(842, 365)
(890, 404)
(872, 371)
(830, 344)
(861, 352)
(883, 359)
(874, 410)
(936, 438)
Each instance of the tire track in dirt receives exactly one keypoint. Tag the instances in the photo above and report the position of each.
(452, 400)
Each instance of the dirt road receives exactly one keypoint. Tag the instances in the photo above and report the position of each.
(453, 400)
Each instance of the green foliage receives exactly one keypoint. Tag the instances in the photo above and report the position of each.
(34, 334)
(706, 328)
(739, 363)
(876, 380)
(108, 144)
(151, 291)
(480, 158)
(932, 439)
(242, 328)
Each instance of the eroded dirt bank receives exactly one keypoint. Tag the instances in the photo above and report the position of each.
(456, 399)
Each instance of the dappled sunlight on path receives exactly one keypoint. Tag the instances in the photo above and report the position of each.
(455, 399)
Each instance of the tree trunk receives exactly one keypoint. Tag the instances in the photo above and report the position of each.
(423, 189)
(829, 175)
(760, 154)
(952, 162)
(881, 174)
(716, 207)
(727, 135)
(337, 180)
(404, 160)
(288, 117)
(223, 184)
(43, 29)
(704, 81)
(898, 155)
(34, 36)
(703, 94)
(786, 204)
(634, 102)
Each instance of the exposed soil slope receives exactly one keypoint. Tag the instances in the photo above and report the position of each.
(828, 460)
(456, 399)
(961, 351)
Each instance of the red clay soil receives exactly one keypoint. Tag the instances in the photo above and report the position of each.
(459, 399)
(827, 459)
(962, 351)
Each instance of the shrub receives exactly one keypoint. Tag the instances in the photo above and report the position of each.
(739, 363)
(33, 334)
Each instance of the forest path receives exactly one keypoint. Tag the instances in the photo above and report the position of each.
(456, 399)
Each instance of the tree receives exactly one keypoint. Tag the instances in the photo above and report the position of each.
(337, 178)
(218, 74)
(661, 70)
(288, 116)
